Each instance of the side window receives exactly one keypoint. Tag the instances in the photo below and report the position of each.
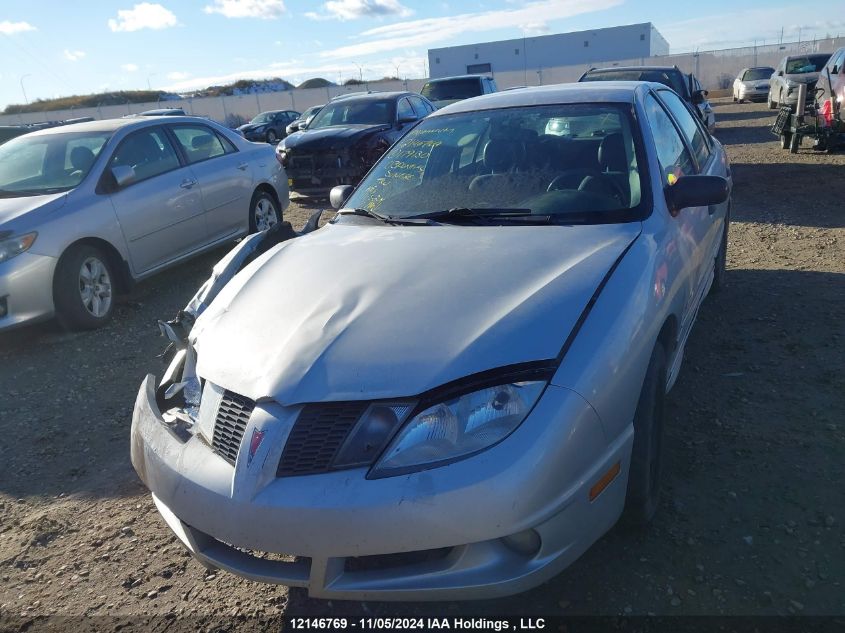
(691, 129)
(148, 152)
(405, 110)
(419, 106)
(199, 142)
(227, 144)
(836, 64)
(675, 160)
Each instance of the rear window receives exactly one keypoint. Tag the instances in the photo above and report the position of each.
(674, 80)
(755, 74)
(452, 89)
(809, 64)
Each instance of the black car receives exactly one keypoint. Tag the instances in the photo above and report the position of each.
(268, 126)
(346, 138)
(686, 85)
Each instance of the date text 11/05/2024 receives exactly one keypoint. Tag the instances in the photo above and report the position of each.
(416, 624)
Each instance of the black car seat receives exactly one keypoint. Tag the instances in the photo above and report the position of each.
(613, 166)
(501, 159)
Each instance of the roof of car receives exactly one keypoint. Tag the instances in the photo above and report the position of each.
(430, 81)
(374, 95)
(590, 92)
(112, 125)
(640, 68)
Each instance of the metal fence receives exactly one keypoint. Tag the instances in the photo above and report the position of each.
(715, 69)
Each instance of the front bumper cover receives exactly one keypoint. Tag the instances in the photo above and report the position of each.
(324, 520)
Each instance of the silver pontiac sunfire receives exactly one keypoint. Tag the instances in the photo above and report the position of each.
(463, 386)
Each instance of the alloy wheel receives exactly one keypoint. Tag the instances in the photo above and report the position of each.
(95, 287)
(265, 214)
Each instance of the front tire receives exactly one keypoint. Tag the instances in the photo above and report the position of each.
(263, 212)
(83, 288)
(271, 137)
(771, 102)
(644, 475)
(785, 140)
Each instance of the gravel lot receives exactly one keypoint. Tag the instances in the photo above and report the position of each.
(752, 517)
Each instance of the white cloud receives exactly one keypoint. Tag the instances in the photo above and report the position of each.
(145, 15)
(267, 9)
(74, 56)
(354, 9)
(10, 28)
(177, 76)
(425, 32)
(130, 68)
(534, 28)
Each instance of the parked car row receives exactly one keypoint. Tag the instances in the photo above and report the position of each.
(822, 73)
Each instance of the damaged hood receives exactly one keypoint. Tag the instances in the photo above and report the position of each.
(330, 137)
(355, 312)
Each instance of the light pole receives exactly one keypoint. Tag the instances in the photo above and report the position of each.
(23, 90)
(149, 87)
(360, 72)
(397, 72)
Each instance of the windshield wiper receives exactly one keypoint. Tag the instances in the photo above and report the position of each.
(387, 219)
(14, 193)
(486, 215)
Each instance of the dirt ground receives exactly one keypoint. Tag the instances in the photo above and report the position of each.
(753, 512)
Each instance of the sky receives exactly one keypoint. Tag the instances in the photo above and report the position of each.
(54, 48)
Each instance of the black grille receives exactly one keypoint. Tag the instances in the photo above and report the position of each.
(317, 435)
(229, 425)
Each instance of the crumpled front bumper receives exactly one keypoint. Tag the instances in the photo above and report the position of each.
(537, 479)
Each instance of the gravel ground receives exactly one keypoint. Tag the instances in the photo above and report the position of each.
(751, 521)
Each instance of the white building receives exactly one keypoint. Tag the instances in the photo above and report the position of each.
(545, 51)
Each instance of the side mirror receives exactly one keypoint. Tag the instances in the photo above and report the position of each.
(123, 175)
(698, 96)
(408, 118)
(696, 191)
(339, 195)
(779, 73)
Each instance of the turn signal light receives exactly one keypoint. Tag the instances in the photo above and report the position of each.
(605, 480)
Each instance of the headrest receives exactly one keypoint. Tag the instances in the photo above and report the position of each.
(612, 155)
(501, 155)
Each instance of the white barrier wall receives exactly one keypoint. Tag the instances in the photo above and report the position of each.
(711, 67)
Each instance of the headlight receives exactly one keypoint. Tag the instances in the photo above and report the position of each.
(16, 245)
(458, 428)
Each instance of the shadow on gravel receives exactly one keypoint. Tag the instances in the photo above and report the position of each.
(795, 193)
(748, 135)
(766, 115)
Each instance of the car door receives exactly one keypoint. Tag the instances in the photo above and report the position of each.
(692, 225)
(700, 144)
(224, 175)
(160, 209)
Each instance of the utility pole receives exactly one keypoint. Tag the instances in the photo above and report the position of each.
(23, 90)
(360, 72)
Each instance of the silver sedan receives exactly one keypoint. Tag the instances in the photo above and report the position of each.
(87, 209)
(464, 388)
(752, 84)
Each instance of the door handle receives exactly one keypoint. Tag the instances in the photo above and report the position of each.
(187, 183)
(243, 166)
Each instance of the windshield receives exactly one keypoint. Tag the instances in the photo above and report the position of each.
(675, 80)
(568, 163)
(264, 117)
(310, 112)
(42, 164)
(354, 112)
(809, 64)
(451, 89)
(755, 74)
